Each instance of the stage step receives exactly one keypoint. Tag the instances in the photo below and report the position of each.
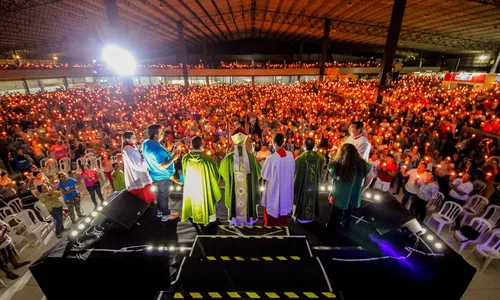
(252, 230)
(251, 246)
(203, 275)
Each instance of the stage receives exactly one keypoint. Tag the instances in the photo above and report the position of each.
(221, 258)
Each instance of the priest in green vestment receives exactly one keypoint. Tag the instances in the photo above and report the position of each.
(241, 173)
(308, 175)
(201, 188)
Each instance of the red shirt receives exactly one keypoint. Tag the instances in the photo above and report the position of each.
(383, 175)
(60, 151)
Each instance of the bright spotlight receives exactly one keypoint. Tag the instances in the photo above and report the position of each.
(182, 249)
(171, 248)
(88, 220)
(330, 188)
(262, 188)
(172, 188)
(74, 233)
(322, 188)
(376, 197)
(423, 231)
(94, 214)
(368, 195)
(81, 226)
(430, 237)
(105, 203)
(99, 208)
(483, 57)
(149, 248)
(438, 245)
(154, 188)
(119, 60)
(161, 248)
(178, 188)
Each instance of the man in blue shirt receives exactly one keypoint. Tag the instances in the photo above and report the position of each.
(161, 168)
(23, 161)
(69, 188)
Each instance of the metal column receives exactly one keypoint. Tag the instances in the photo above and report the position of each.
(25, 86)
(324, 49)
(495, 65)
(182, 53)
(205, 55)
(65, 82)
(457, 64)
(421, 59)
(391, 43)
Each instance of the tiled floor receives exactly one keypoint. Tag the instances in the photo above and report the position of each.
(484, 286)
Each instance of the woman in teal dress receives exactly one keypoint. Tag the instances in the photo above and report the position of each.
(348, 169)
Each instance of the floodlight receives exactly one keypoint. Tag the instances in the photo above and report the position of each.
(119, 60)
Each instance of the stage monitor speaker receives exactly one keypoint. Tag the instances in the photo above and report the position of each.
(124, 208)
(384, 211)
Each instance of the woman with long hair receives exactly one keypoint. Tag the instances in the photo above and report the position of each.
(347, 169)
(135, 169)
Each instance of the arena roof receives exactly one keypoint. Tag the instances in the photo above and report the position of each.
(54, 26)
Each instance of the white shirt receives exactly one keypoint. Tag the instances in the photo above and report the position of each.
(278, 172)
(361, 143)
(464, 187)
(410, 186)
(135, 169)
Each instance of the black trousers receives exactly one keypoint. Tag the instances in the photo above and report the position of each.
(339, 216)
(420, 210)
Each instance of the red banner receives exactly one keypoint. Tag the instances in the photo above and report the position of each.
(466, 77)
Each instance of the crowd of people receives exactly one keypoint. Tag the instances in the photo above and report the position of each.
(201, 65)
(424, 138)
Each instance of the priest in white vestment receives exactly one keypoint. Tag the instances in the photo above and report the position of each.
(278, 171)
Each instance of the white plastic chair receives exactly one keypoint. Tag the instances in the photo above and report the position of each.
(473, 207)
(32, 224)
(16, 205)
(42, 210)
(492, 215)
(89, 151)
(478, 187)
(446, 216)
(50, 168)
(65, 165)
(436, 205)
(20, 241)
(79, 164)
(92, 161)
(489, 249)
(99, 167)
(6, 212)
(480, 225)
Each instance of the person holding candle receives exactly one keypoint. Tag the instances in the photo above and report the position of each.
(415, 177)
(358, 140)
(71, 196)
(460, 190)
(427, 192)
(161, 168)
(50, 199)
(385, 173)
(91, 179)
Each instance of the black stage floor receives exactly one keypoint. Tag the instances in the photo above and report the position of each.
(417, 277)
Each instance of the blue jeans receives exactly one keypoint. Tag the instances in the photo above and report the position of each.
(406, 196)
(96, 188)
(57, 214)
(162, 196)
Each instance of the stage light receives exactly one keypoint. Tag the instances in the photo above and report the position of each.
(172, 248)
(178, 188)
(172, 188)
(149, 248)
(368, 195)
(105, 203)
(81, 226)
(376, 197)
(161, 248)
(330, 188)
(119, 60)
(322, 188)
(262, 188)
(438, 245)
(423, 231)
(430, 237)
(94, 214)
(88, 220)
(74, 233)
(99, 208)
(182, 249)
